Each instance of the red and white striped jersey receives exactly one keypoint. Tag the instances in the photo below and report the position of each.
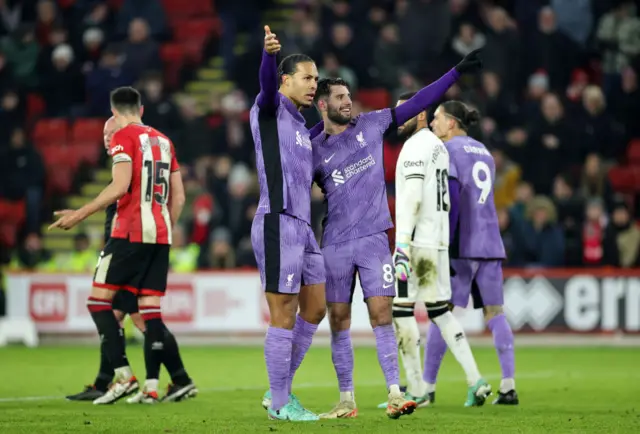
(142, 215)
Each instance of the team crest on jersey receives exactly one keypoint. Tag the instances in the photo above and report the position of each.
(361, 140)
(303, 140)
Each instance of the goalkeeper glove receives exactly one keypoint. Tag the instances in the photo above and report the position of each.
(471, 63)
(402, 261)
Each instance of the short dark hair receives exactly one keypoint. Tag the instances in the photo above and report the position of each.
(324, 86)
(126, 100)
(289, 64)
(464, 115)
(407, 95)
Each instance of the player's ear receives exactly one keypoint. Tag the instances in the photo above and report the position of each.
(422, 116)
(141, 110)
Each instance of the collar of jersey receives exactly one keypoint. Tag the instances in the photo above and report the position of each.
(291, 107)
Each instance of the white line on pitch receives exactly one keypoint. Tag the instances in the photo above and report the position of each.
(531, 375)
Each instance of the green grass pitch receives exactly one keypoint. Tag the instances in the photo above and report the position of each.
(561, 390)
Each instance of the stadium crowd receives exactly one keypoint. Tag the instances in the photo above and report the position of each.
(559, 100)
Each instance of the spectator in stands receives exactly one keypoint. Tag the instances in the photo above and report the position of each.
(15, 12)
(387, 56)
(100, 81)
(577, 85)
(22, 50)
(11, 114)
(159, 110)
(82, 259)
(575, 19)
(183, 257)
(233, 135)
(23, 176)
(622, 245)
(593, 232)
(617, 37)
(507, 179)
(62, 88)
(552, 51)
(496, 104)
(537, 88)
(47, 20)
(141, 52)
(245, 258)
(552, 145)
(349, 50)
(6, 75)
(307, 40)
(31, 255)
(99, 16)
(502, 50)
(195, 136)
(221, 255)
(626, 103)
(602, 134)
(507, 232)
(541, 243)
(424, 33)
(151, 11)
(570, 209)
(467, 40)
(56, 36)
(92, 44)
(331, 68)
(524, 195)
(240, 184)
(594, 181)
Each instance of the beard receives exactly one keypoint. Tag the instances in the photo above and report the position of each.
(408, 130)
(336, 117)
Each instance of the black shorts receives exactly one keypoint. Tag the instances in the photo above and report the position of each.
(125, 301)
(136, 267)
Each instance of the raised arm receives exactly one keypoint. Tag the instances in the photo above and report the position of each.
(431, 94)
(268, 96)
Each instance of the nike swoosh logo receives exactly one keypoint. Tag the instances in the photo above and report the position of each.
(326, 160)
(387, 286)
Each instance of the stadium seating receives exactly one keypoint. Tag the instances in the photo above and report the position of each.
(375, 99)
(12, 214)
(633, 152)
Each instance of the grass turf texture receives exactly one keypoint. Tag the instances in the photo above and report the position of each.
(561, 390)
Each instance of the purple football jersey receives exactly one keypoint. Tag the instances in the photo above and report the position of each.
(478, 234)
(348, 167)
(283, 160)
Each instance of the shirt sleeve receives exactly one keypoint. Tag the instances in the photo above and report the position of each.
(412, 166)
(384, 119)
(121, 149)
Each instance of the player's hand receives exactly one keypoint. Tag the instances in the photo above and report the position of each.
(471, 62)
(271, 43)
(402, 262)
(69, 218)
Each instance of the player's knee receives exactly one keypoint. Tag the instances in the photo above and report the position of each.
(119, 315)
(339, 316)
(404, 310)
(138, 321)
(379, 311)
(491, 312)
(434, 310)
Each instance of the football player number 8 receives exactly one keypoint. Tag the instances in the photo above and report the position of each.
(156, 173)
(387, 273)
(483, 184)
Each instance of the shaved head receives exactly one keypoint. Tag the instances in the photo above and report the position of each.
(109, 130)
